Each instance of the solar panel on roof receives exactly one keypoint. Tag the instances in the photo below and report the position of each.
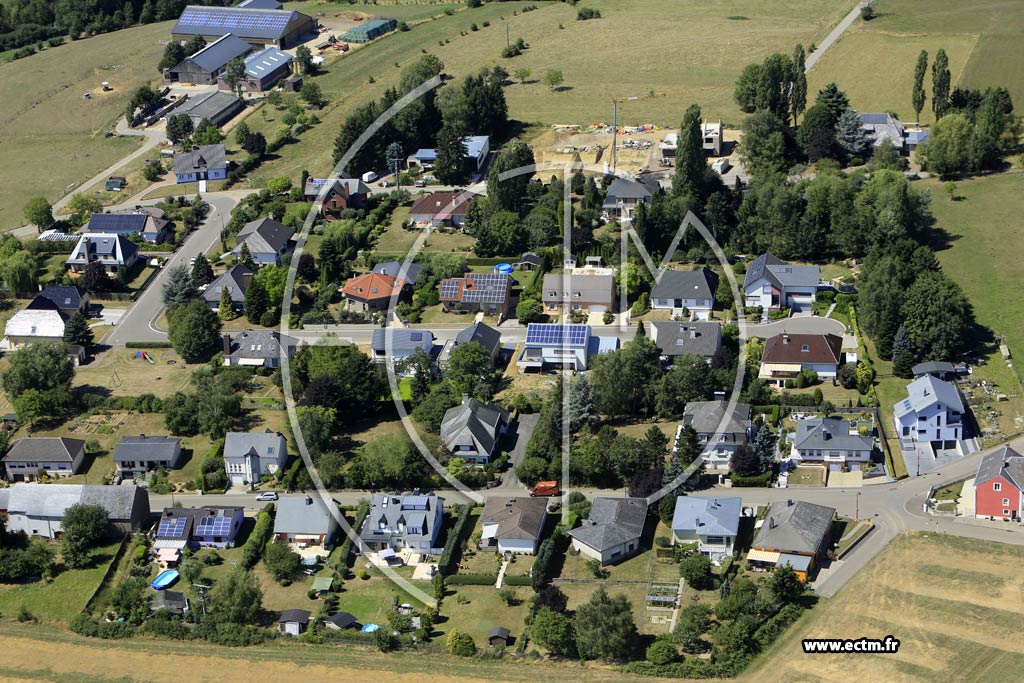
(551, 334)
(450, 288)
(416, 336)
(171, 527)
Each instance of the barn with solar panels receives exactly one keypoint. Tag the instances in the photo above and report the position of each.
(278, 28)
(369, 30)
(477, 292)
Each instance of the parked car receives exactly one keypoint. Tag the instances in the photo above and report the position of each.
(421, 183)
(267, 495)
(721, 166)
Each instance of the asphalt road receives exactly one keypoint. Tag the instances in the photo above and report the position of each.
(137, 324)
(835, 35)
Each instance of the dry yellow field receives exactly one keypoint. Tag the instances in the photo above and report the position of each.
(952, 603)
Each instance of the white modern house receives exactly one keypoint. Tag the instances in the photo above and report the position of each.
(689, 290)
(932, 413)
(772, 284)
(564, 347)
(250, 455)
(833, 442)
(710, 522)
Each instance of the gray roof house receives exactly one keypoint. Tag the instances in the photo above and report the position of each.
(404, 343)
(207, 64)
(151, 228)
(248, 456)
(263, 69)
(266, 238)
(718, 441)
(772, 284)
(206, 162)
(883, 128)
(479, 332)
(693, 290)
(587, 293)
(710, 522)
(677, 339)
(281, 28)
(793, 533)
(67, 300)
(622, 197)
(257, 348)
(38, 509)
(112, 251)
(394, 269)
(217, 106)
(136, 455)
(236, 279)
(833, 442)
(513, 524)
(612, 531)
(293, 622)
(58, 457)
(304, 520)
(472, 430)
(940, 369)
(932, 413)
(396, 522)
(172, 601)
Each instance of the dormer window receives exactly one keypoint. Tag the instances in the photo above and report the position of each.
(805, 348)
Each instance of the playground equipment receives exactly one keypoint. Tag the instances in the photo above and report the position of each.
(144, 355)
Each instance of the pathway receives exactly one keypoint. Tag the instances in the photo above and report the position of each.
(835, 35)
(501, 573)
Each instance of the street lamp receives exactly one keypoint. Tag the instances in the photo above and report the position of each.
(856, 514)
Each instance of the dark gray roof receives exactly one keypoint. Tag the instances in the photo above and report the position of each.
(298, 615)
(686, 284)
(394, 516)
(706, 417)
(481, 333)
(57, 297)
(305, 515)
(393, 268)
(122, 223)
(103, 247)
(341, 619)
(519, 518)
(403, 340)
(44, 449)
(795, 526)
(144, 447)
(707, 516)
(829, 433)
(217, 54)
(623, 188)
(236, 279)
(265, 62)
(266, 444)
(933, 367)
(1004, 462)
(473, 423)
(612, 522)
(677, 339)
(348, 186)
(769, 266)
(205, 157)
(498, 632)
(264, 235)
(260, 344)
(51, 500)
(172, 601)
(585, 288)
(531, 258)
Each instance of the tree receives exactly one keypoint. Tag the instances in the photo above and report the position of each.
(521, 75)
(605, 628)
(245, 257)
(39, 212)
(178, 289)
(255, 145)
(450, 165)
(143, 98)
(692, 622)
(194, 45)
(469, 369)
(551, 597)
(94, 278)
(950, 146)
(241, 133)
(940, 84)
(207, 133)
(42, 367)
(281, 561)
(937, 316)
(20, 273)
(174, 54)
(834, 100)
(850, 135)
(623, 379)
(917, 95)
(553, 630)
(84, 526)
(194, 330)
(226, 307)
(81, 206)
(687, 446)
(460, 644)
(784, 586)
(304, 58)
(553, 79)
(902, 354)
(817, 134)
(257, 301)
(691, 166)
(763, 149)
(234, 74)
(745, 462)
(76, 330)
(311, 93)
(237, 598)
(510, 193)
(202, 271)
(181, 414)
(696, 570)
(798, 94)
(179, 128)
(582, 411)
(359, 384)
(662, 651)
(530, 311)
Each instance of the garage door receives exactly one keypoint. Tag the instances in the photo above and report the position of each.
(598, 309)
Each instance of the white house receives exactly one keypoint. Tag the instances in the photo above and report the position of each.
(513, 525)
(612, 531)
(306, 521)
(772, 284)
(834, 442)
(38, 509)
(397, 522)
(718, 434)
(712, 522)
(786, 355)
(32, 326)
(693, 290)
(567, 347)
(57, 457)
(932, 413)
(250, 455)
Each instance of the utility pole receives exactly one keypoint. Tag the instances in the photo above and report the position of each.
(201, 590)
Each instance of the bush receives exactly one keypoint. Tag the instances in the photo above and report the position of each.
(471, 580)
(586, 13)
(261, 533)
(460, 644)
(757, 480)
(448, 554)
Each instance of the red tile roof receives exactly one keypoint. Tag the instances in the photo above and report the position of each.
(788, 348)
(444, 204)
(371, 287)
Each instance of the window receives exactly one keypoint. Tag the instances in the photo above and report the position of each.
(1006, 501)
(997, 486)
(1006, 512)
(805, 348)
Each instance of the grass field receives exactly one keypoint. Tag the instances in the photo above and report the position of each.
(691, 52)
(51, 136)
(984, 41)
(945, 598)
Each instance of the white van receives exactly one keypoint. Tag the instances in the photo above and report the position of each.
(369, 177)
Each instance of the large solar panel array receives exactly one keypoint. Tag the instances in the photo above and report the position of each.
(230, 18)
(214, 526)
(172, 527)
(450, 288)
(549, 334)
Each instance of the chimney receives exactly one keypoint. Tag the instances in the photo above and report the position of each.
(465, 399)
(785, 339)
(227, 344)
(826, 434)
(309, 501)
(693, 333)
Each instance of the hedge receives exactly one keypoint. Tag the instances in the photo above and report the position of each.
(518, 581)
(147, 345)
(261, 533)
(766, 634)
(448, 555)
(544, 565)
(471, 579)
(755, 481)
(346, 548)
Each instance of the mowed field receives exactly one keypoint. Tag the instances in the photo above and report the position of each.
(950, 602)
(683, 52)
(874, 61)
(51, 137)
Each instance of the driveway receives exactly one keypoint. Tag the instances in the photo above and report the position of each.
(527, 423)
(835, 35)
(801, 325)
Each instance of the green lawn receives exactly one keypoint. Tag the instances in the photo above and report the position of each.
(65, 596)
(396, 242)
(482, 610)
